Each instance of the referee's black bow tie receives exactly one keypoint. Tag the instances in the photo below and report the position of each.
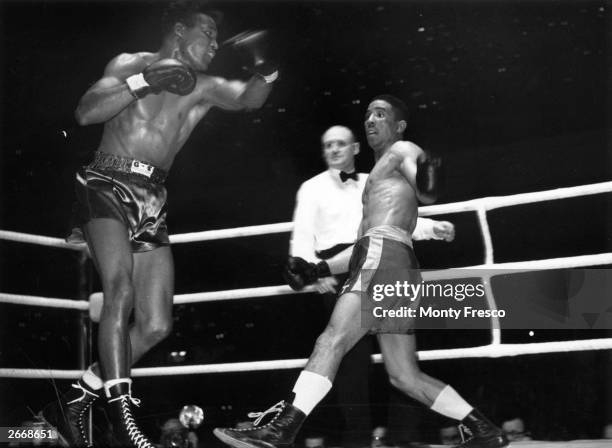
(345, 176)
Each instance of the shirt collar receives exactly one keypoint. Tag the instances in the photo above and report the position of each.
(335, 173)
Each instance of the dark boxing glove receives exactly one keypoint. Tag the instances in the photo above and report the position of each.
(299, 273)
(166, 74)
(428, 177)
(266, 70)
(254, 45)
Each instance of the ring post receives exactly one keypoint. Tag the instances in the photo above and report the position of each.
(84, 289)
(84, 322)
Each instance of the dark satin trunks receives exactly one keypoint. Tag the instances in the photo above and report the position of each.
(127, 190)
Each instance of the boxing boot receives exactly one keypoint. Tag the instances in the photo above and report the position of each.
(484, 434)
(125, 431)
(69, 415)
(279, 432)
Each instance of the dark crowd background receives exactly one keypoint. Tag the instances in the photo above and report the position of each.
(513, 95)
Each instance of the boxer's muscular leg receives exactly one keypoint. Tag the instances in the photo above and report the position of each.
(399, 355)
(341, 334)
(110, 248)
(111, 252)
(153, 280)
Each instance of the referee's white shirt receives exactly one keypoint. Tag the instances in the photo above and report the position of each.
(328, 212)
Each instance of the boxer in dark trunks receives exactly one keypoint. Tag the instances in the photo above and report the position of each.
(128, 191)
(402, 176)
(383, 256)
(149, 104)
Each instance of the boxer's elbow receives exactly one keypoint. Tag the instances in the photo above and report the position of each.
(81, 117)
(84, 115)
(255, 97)
(249, 104)
(91, 110)
(89, 115)
(241, 103)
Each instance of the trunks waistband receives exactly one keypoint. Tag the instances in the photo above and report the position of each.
(326, 254)
(391, 232)
(113, 162)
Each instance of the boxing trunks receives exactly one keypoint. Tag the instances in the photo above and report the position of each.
(127, 190)
(383, 256)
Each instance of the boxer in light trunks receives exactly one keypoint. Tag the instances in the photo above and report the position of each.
(402, 176)
(149, 104)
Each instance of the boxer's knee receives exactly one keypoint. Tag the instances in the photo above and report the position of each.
(118, 296)
(155, 330)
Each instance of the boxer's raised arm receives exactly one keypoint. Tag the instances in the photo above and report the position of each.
(252, 47)
(110, 94)
(128, 78)
(237, 95)
(421, 170)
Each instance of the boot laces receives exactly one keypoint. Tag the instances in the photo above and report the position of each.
(136, 437)
(87, 402)
(85, 393)
(463, 431)
(134, 401)
(278, 407)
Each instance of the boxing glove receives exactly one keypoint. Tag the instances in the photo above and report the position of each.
(253, 45)
(167, 75)
(299, 273)
(428, 177)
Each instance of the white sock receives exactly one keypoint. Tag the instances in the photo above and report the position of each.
(110, 383)
(449, 403)
(310, 388)
(92, 380)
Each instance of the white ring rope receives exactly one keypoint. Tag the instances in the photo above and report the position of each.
(486, 233)
(486, 351)
(207, 235)
(494, 350)
(280, 290)
(445, 274)
(489, 203)
(18, 237)
(494, 202)
(20, 299)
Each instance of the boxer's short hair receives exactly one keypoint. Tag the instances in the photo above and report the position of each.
(185, 11)
(400, 109)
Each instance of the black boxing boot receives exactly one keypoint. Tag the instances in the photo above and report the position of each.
(69, 415)
(484, 434)
(126, 432)
(279, 432)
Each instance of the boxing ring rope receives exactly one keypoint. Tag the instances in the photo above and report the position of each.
(480, 206)
(485, 351)
(39, 240)
(281, 290)
(488, 203)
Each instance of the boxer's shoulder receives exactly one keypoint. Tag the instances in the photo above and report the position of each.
(405, 148)
(129, 62)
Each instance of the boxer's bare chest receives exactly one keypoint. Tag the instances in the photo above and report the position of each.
(384, 176)
(155, 128)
